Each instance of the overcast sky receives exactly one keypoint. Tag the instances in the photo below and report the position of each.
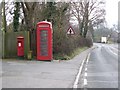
(111, 12)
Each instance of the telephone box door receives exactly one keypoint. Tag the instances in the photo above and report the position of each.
(44, 41)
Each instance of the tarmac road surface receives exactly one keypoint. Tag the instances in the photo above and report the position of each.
(101, 70)
(41, 74)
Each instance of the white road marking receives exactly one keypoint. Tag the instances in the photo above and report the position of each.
(86, 69)
(85, 79)
(75, 85)
(78, 75)
(88, 58)
(114, 48)
(113, 52)
(85, 74)
(85, 82)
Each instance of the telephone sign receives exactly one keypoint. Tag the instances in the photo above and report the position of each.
(44, 41)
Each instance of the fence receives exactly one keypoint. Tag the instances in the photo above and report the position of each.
(0, 44)
(11, 43)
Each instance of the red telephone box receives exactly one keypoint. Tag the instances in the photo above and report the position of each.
(44, 41)
(20, 46)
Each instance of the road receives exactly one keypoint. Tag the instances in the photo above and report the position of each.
(0, 73)
(101, 68)
(41, 74)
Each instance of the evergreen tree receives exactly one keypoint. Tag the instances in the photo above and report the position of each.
(16, 17)
(49, 12)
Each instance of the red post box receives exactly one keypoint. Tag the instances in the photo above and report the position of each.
(20, 46)
(44, 41)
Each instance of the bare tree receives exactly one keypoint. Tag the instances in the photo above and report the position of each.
(87, 11)
(4, 17)
(28, 10)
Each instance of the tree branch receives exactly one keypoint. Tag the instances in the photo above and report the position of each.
(27, 6)
(33, 6)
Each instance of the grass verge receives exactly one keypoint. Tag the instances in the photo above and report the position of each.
(72, 55)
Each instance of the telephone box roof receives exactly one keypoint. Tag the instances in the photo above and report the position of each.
(44, 22)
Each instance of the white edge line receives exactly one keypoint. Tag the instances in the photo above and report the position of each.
(88, 58)
(80, 69)
(78, 75)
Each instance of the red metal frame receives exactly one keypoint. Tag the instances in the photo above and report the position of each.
(20, 46)
(44, 26)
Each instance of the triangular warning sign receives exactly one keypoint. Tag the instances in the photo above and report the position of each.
(70, 31)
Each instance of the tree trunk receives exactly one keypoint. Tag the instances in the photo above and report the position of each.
(4, 17)
(28, 10)
(85, 29)
(4, 31)
(86, 20)
(81, 27)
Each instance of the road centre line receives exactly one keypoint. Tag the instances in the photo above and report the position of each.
(85, 74)
(85, 82)
(75, 85)
(112, 51)
(86, 69)
(85, 77)
(114, 48)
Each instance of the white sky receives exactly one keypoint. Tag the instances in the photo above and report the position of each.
(112, 12)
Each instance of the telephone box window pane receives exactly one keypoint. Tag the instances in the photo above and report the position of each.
(44, 43)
